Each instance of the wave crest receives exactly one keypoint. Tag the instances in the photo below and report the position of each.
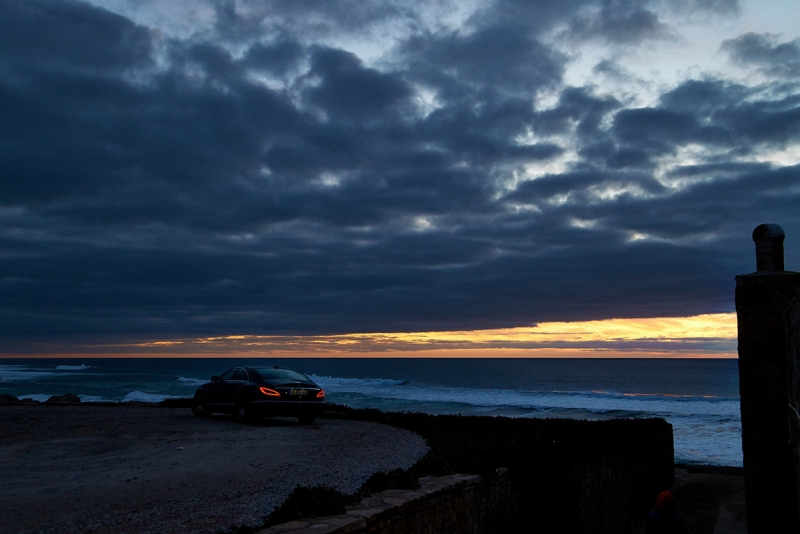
(191, 381)
(18, 373)
(141, 396)
(345, 384)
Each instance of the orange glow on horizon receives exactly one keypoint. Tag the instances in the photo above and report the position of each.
(440, 353)
(703, 336)
(720, 326)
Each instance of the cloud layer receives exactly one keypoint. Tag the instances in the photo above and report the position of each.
(331, 167)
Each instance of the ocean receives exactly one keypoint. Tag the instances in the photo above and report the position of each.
(699, 397)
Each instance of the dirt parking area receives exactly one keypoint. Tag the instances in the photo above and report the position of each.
(140, 469)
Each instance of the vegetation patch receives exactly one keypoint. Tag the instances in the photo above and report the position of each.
(318, 501)
(547, 458)
(383, 480)
(479, 444)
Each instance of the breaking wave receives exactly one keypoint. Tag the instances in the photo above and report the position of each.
(19, 373)
(191, 381)
(141, 396)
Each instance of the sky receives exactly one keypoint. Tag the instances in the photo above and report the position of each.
(518, 178)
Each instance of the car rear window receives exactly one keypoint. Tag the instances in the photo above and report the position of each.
(281, 374)
(239, 374)
(227, 374)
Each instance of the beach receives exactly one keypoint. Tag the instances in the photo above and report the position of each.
(139, 469)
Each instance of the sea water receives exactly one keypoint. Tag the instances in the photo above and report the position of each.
(699, 397)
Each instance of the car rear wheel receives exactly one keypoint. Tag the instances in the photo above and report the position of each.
(243, 411)
(307, 419)
(199, 407)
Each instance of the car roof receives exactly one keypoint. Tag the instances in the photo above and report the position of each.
(255, 370)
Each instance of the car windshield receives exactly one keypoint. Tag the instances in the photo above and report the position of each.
(281, 374)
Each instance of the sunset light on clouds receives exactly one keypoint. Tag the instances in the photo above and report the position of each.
(710, 336)
(397, 176)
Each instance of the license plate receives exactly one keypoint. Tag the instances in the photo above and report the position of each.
(298, 392)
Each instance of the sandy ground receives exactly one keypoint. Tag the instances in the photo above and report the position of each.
(138, 469)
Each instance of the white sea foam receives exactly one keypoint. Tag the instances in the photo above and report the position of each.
(133, 396)
(93, 398)
(707, 440)
(141, 396)
(191, 381)
(72, 367)
(41, 397)
(348, 384)
(706, 428)
(19, 373)
(594, 401)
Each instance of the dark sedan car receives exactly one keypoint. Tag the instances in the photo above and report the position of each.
(248, 392)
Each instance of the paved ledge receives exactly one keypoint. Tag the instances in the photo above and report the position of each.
(711, 499)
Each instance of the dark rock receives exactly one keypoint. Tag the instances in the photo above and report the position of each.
(5, 398)
(179, 402)
(69, 398)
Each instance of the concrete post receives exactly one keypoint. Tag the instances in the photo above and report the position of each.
(768, 314)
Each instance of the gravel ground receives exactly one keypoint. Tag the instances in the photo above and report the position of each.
(138, 469)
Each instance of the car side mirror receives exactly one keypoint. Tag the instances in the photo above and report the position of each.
(214, 378)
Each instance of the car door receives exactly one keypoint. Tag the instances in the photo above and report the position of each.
(232, 385)
(216, 391)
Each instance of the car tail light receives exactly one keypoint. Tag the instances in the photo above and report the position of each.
(270, 392)
(321, 394)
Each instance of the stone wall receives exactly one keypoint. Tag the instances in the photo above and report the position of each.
(613, 492)
(604, 494)
(442, 505)
(606, 491)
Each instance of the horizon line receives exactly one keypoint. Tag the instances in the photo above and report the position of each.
(700, 336)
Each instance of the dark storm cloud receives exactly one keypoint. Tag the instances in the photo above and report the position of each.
(579, 185)
(765, 53)
(714, 6)
(327, 16)
(657, 129)
(251, 21)
(575, 105)
(620, 27)
(69, 35)
(490, 58)
(709, 113)
(633, 22)
(234, 182)
(276, 57)
(350, 91)
(703, 97)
